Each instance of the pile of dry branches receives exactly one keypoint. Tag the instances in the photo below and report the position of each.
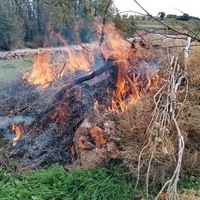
(162, 130)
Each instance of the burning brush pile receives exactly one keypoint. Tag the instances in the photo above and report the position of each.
(114, 100)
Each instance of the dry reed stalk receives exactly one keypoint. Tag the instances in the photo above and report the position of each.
(162, 131)
(175, 81)
(158, 142)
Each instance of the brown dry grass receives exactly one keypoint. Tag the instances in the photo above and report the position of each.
(134, 121)
(190, 118)
(189, 195)
(165, 41)
(133, 124)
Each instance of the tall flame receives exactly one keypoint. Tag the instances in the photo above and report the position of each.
(112, 45)
(126, 57)
(76, 60)
(116, 47)
(41, 73)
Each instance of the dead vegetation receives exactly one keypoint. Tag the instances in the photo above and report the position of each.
(189, 195)
(150, 148)
(190, 115)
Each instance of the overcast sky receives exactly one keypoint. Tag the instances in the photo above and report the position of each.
(168, 6)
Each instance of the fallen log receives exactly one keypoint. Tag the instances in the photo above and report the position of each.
(109, 66)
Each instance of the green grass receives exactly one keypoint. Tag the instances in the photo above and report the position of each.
(189, 182)
(55, 183)
(11, 68)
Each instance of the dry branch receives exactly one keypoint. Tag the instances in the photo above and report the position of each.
(196, 38)
(104, 22)
(71, 83)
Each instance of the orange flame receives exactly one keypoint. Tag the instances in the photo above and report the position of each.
(76, 60)
(113, 45)
(116, 47)
(125, 57)
(41, 73)
(17, 132)
(96, 104)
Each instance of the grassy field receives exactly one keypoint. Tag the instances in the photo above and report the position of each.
(56, 184)
(13, 68)
(191, 25)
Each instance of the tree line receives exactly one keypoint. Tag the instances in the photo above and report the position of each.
(183, 17)
(24, 22)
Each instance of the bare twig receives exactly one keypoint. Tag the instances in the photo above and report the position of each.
(103, 28)
(166, 112)
(175, 82)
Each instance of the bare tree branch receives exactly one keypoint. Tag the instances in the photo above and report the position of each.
(166, 25)
(104, 22)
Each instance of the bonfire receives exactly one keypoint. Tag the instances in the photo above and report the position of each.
(82, 108)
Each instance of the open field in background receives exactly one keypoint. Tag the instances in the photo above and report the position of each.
(12, 68)
(176, 24)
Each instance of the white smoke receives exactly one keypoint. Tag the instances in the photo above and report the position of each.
(7, 121)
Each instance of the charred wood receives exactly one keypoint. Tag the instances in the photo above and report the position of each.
(53, 129)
